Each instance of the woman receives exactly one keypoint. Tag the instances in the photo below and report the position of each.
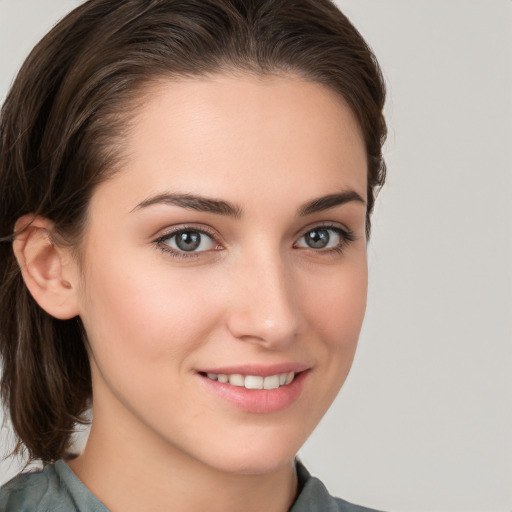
(188, 196)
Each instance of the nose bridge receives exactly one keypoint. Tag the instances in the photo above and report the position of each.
(263, 307)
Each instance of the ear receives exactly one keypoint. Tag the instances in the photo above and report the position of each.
(50, 272)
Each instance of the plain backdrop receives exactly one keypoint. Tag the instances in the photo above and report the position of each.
(424, 421)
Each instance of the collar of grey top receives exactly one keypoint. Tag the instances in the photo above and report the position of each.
(58, 489)
(314, 497)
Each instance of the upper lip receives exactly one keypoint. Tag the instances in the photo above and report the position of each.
(257, 370)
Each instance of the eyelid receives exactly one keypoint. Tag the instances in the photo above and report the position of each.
(201, 228)
(325, 225)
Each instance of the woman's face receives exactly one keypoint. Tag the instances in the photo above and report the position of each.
(231, 246)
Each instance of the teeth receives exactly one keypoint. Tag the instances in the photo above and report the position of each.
(254, 381)
(236, 380)
(271, 382)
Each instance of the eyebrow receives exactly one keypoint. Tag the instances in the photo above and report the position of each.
(220, 207)
(193, 202)
(330, 201)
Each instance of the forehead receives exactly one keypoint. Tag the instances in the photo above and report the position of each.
(234, 135)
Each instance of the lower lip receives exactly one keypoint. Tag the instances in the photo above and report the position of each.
(261, 401)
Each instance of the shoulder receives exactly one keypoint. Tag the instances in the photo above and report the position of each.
(39, 491)
(31, 492)
(54, 489)
(314, 497)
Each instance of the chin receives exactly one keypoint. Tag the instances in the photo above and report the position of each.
(254, 458)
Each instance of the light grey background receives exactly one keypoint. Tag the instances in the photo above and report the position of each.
(424, 422)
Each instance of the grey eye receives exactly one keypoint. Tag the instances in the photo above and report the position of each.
(317, 238)
(322, 238)
(190, 240)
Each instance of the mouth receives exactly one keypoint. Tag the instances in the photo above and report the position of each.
(253, 381)
(257, 390)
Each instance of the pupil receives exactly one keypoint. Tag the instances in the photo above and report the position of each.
(318, 238)
(188, 240)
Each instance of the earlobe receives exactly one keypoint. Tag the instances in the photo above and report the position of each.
(50, 273)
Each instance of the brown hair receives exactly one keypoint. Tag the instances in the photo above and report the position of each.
(61, 132)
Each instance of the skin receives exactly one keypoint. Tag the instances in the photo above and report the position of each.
(257, 294)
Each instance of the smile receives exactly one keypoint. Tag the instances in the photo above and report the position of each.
(274, 391)
(254, 381)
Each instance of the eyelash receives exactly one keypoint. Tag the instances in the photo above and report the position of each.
(346, 237)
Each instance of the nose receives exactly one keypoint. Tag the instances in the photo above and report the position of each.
(263, 308)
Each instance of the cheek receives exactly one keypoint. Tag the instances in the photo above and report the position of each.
(337, 304)
(335, 310)
(145, 312)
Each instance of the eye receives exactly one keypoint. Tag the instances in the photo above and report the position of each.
(187, 240)
(325, 238)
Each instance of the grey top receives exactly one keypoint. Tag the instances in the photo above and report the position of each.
(57, 489)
